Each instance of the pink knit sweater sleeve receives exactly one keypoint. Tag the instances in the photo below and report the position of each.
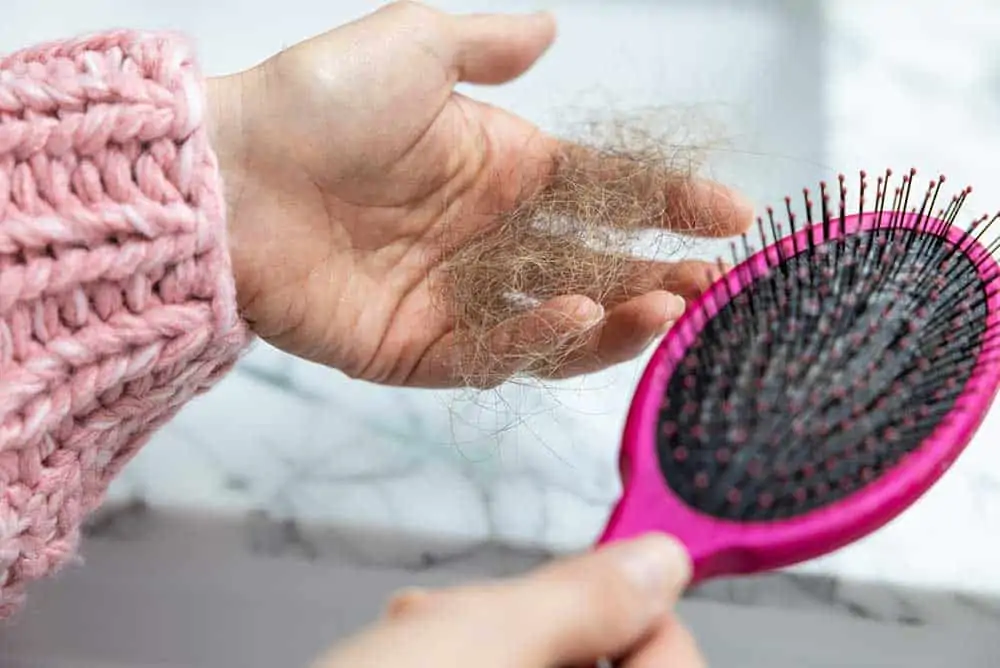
(116, 296)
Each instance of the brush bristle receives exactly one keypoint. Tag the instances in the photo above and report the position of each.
(831, 364)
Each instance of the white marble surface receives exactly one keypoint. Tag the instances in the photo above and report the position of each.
(314, 465)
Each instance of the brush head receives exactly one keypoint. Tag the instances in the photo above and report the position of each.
(817, 390)
(824, 366)
(820, 375)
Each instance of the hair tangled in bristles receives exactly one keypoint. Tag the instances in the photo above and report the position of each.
(602, 203)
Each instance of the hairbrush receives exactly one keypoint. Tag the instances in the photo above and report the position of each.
(818, 388)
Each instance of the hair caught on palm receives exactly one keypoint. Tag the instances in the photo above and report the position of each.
(616, 194)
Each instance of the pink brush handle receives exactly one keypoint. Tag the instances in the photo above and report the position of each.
(721, 547)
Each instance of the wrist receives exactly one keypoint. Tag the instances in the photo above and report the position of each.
(224, 119)
(226, 129)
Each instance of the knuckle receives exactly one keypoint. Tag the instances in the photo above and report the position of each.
(412, 9)
(407, 602)
(616, 594)
(608, 598)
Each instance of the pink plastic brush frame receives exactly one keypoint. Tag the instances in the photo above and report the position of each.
(725, 548)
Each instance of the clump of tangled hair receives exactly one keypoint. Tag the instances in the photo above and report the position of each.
(601, 205)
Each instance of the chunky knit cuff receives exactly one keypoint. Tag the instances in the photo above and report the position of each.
(117, 301)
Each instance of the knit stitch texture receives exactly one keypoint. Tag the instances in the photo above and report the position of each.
(117, 301)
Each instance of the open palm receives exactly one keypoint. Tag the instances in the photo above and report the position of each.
(353, 167)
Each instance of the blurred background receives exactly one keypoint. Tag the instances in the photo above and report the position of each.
(789, 93)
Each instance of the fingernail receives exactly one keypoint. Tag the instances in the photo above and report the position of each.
(743, 201)
(664, 328)
(590, 313)
(675, 307)
(740, 200)
(659, 566)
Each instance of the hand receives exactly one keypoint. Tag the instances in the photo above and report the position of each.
(613, 603)
(344, 158)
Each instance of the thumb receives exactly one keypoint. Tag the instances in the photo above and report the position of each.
(601, 604)
(613, 602)
(607, 603)
(495, 48)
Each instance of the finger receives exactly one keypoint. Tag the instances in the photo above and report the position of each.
(687, 278)
(627, 331)
(496, 48)
(601, 604)
(704, 208)
(672, 645)
(512, 347)
(535, 337)
(688, 204)
(572, 612)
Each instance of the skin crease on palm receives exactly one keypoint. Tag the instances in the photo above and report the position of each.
(344, 156)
